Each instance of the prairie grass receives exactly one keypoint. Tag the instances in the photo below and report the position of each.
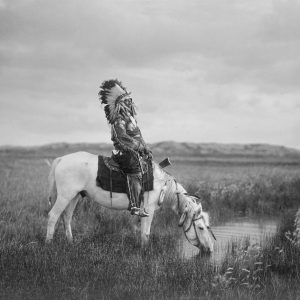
(270, 271)
(106, 260)
(242, 189)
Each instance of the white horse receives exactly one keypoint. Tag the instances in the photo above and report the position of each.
(74, 175)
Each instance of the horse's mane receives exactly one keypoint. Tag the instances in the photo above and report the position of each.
(172, 185)
(172, 188)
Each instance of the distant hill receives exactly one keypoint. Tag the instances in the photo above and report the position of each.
(172, 149)
(217, 149)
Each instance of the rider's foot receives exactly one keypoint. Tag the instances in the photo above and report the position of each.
(134, 210)
(139, 212)
(143, 213)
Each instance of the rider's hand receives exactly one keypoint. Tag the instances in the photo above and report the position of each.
(148, 152)
(141, 149)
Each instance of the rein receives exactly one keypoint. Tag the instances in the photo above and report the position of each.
(192, 223)
(177, 193)
(194, 219)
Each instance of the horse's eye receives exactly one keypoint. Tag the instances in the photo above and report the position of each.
(201, 228)
(207, 227)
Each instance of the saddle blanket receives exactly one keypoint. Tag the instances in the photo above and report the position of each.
(111, 178)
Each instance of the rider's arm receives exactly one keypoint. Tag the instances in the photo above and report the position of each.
(123, 139)
(146, 149)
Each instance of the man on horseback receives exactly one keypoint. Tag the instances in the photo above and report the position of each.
(131, 151)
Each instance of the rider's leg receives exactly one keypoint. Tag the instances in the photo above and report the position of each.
(135, 187)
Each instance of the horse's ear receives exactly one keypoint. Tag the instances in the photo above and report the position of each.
(162, 195)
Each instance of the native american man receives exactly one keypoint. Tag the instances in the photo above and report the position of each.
(130, 148)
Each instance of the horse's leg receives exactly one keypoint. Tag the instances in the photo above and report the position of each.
(59, 206)
(67, 217)
(135, 224)
(146, 226)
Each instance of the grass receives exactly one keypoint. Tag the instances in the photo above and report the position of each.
(271, 271)
(106, 260)
(245, 190)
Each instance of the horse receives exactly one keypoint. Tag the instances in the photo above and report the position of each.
(73, 176)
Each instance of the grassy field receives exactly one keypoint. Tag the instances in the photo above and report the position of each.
(245, 189)
(106, 260)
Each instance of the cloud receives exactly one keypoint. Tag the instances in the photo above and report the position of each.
(282, 25)
(199, 64)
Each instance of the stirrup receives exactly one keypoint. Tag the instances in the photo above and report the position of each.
(134, 210)
(139, 212)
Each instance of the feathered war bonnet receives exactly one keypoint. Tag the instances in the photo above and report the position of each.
(112, 94)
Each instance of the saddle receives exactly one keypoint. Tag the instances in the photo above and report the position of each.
(111, 178)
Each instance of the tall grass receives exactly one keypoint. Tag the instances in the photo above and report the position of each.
(106, 260)
(270, 271)
(244, 190)
(254, 197)
(114, 266)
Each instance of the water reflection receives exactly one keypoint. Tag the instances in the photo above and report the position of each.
(238, 230)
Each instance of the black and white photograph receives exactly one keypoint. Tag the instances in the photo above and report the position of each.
(150, 149)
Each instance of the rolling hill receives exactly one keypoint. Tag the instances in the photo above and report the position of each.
(200, 151)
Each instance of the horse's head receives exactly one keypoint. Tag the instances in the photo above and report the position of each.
(195, 224)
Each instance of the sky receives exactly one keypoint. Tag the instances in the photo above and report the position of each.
(199, 70)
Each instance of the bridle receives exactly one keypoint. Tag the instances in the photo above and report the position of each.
(194, 219)
(193, 224)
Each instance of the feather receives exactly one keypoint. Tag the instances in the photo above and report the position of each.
(112, 94)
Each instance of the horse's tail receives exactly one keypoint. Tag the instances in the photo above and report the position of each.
(52, 182)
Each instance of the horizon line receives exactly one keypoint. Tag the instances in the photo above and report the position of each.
(164, 141)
